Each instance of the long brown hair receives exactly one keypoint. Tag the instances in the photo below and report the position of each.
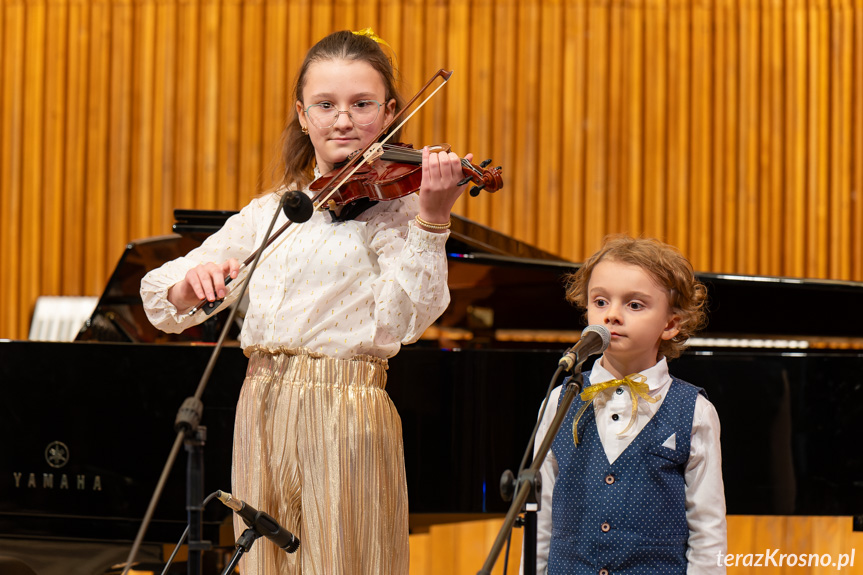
(298, 153)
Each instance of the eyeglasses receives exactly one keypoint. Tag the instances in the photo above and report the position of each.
(361, 113)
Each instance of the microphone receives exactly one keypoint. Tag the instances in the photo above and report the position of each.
(594, 339)
(298, 206)
(261, 522)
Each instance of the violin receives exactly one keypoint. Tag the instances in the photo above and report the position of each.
(394, 171)
(380, 171)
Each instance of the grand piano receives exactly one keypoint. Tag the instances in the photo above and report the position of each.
(90, 423)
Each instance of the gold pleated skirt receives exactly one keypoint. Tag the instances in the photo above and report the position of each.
(318, 445)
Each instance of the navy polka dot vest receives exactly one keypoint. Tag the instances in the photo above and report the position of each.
(627, 517)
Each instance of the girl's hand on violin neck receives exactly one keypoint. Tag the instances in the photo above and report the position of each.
(203, 282)
(438, 189)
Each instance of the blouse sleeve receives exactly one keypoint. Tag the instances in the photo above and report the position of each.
(705, 494)
(236, 239)
(411, 291)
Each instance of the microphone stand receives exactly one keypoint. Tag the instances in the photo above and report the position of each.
(243, 545)
(529, 482)
(194, 436)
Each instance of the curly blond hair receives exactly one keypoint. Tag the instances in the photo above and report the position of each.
(687, 296)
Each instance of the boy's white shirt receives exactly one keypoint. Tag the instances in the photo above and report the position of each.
(705, 493)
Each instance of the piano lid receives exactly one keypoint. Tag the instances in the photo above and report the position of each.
(522, 299)
(119, 315)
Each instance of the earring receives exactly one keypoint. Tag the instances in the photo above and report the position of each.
(305, 130)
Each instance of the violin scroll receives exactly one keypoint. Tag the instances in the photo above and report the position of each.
(485, 179)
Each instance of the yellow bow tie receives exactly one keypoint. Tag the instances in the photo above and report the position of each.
(638, 387)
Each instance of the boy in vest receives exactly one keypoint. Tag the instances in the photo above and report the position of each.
(633, 482)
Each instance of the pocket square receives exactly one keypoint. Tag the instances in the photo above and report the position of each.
(671, 442)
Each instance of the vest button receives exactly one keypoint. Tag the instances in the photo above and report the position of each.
(615, 417)
(619, 391)
(609, 479)
(605, 527)
(604, 572)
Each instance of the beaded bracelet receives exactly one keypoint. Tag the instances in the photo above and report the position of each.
(432, 226)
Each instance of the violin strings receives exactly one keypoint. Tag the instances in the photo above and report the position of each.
(401, 154)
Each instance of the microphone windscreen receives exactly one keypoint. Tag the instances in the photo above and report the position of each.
(602, 332)
(298, 206)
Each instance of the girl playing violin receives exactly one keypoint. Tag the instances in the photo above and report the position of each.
(317, 441)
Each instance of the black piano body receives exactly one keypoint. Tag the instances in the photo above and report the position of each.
(90, 422)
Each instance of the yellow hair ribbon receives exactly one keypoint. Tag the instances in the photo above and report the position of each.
(638, 387)
(369, 33)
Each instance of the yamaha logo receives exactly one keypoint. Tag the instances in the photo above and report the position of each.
(57, 454)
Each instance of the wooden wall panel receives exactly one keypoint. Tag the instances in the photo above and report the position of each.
(96, 248)
(731, 128)
(722, 107)
(11, 165)
(818, 75)
(525, 173)
(32, 237)
(143, 190)
(796, 131)
(51, 199)
(571, 118)
(698, 223)
(73, 199)
(187, 112)
(228, 76)
(597, 154)
(207, 136)
(839, 168)
(549, 96)
(857, 142)
(121, 107)
(771, 160)
(506, 150)
(653, 59)
(251, 99)
(275, 86)
(164, 118)
(480, 115)
(679, 123)
(745, 187)
(463, 547)
(458, 50)
(625, 129)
